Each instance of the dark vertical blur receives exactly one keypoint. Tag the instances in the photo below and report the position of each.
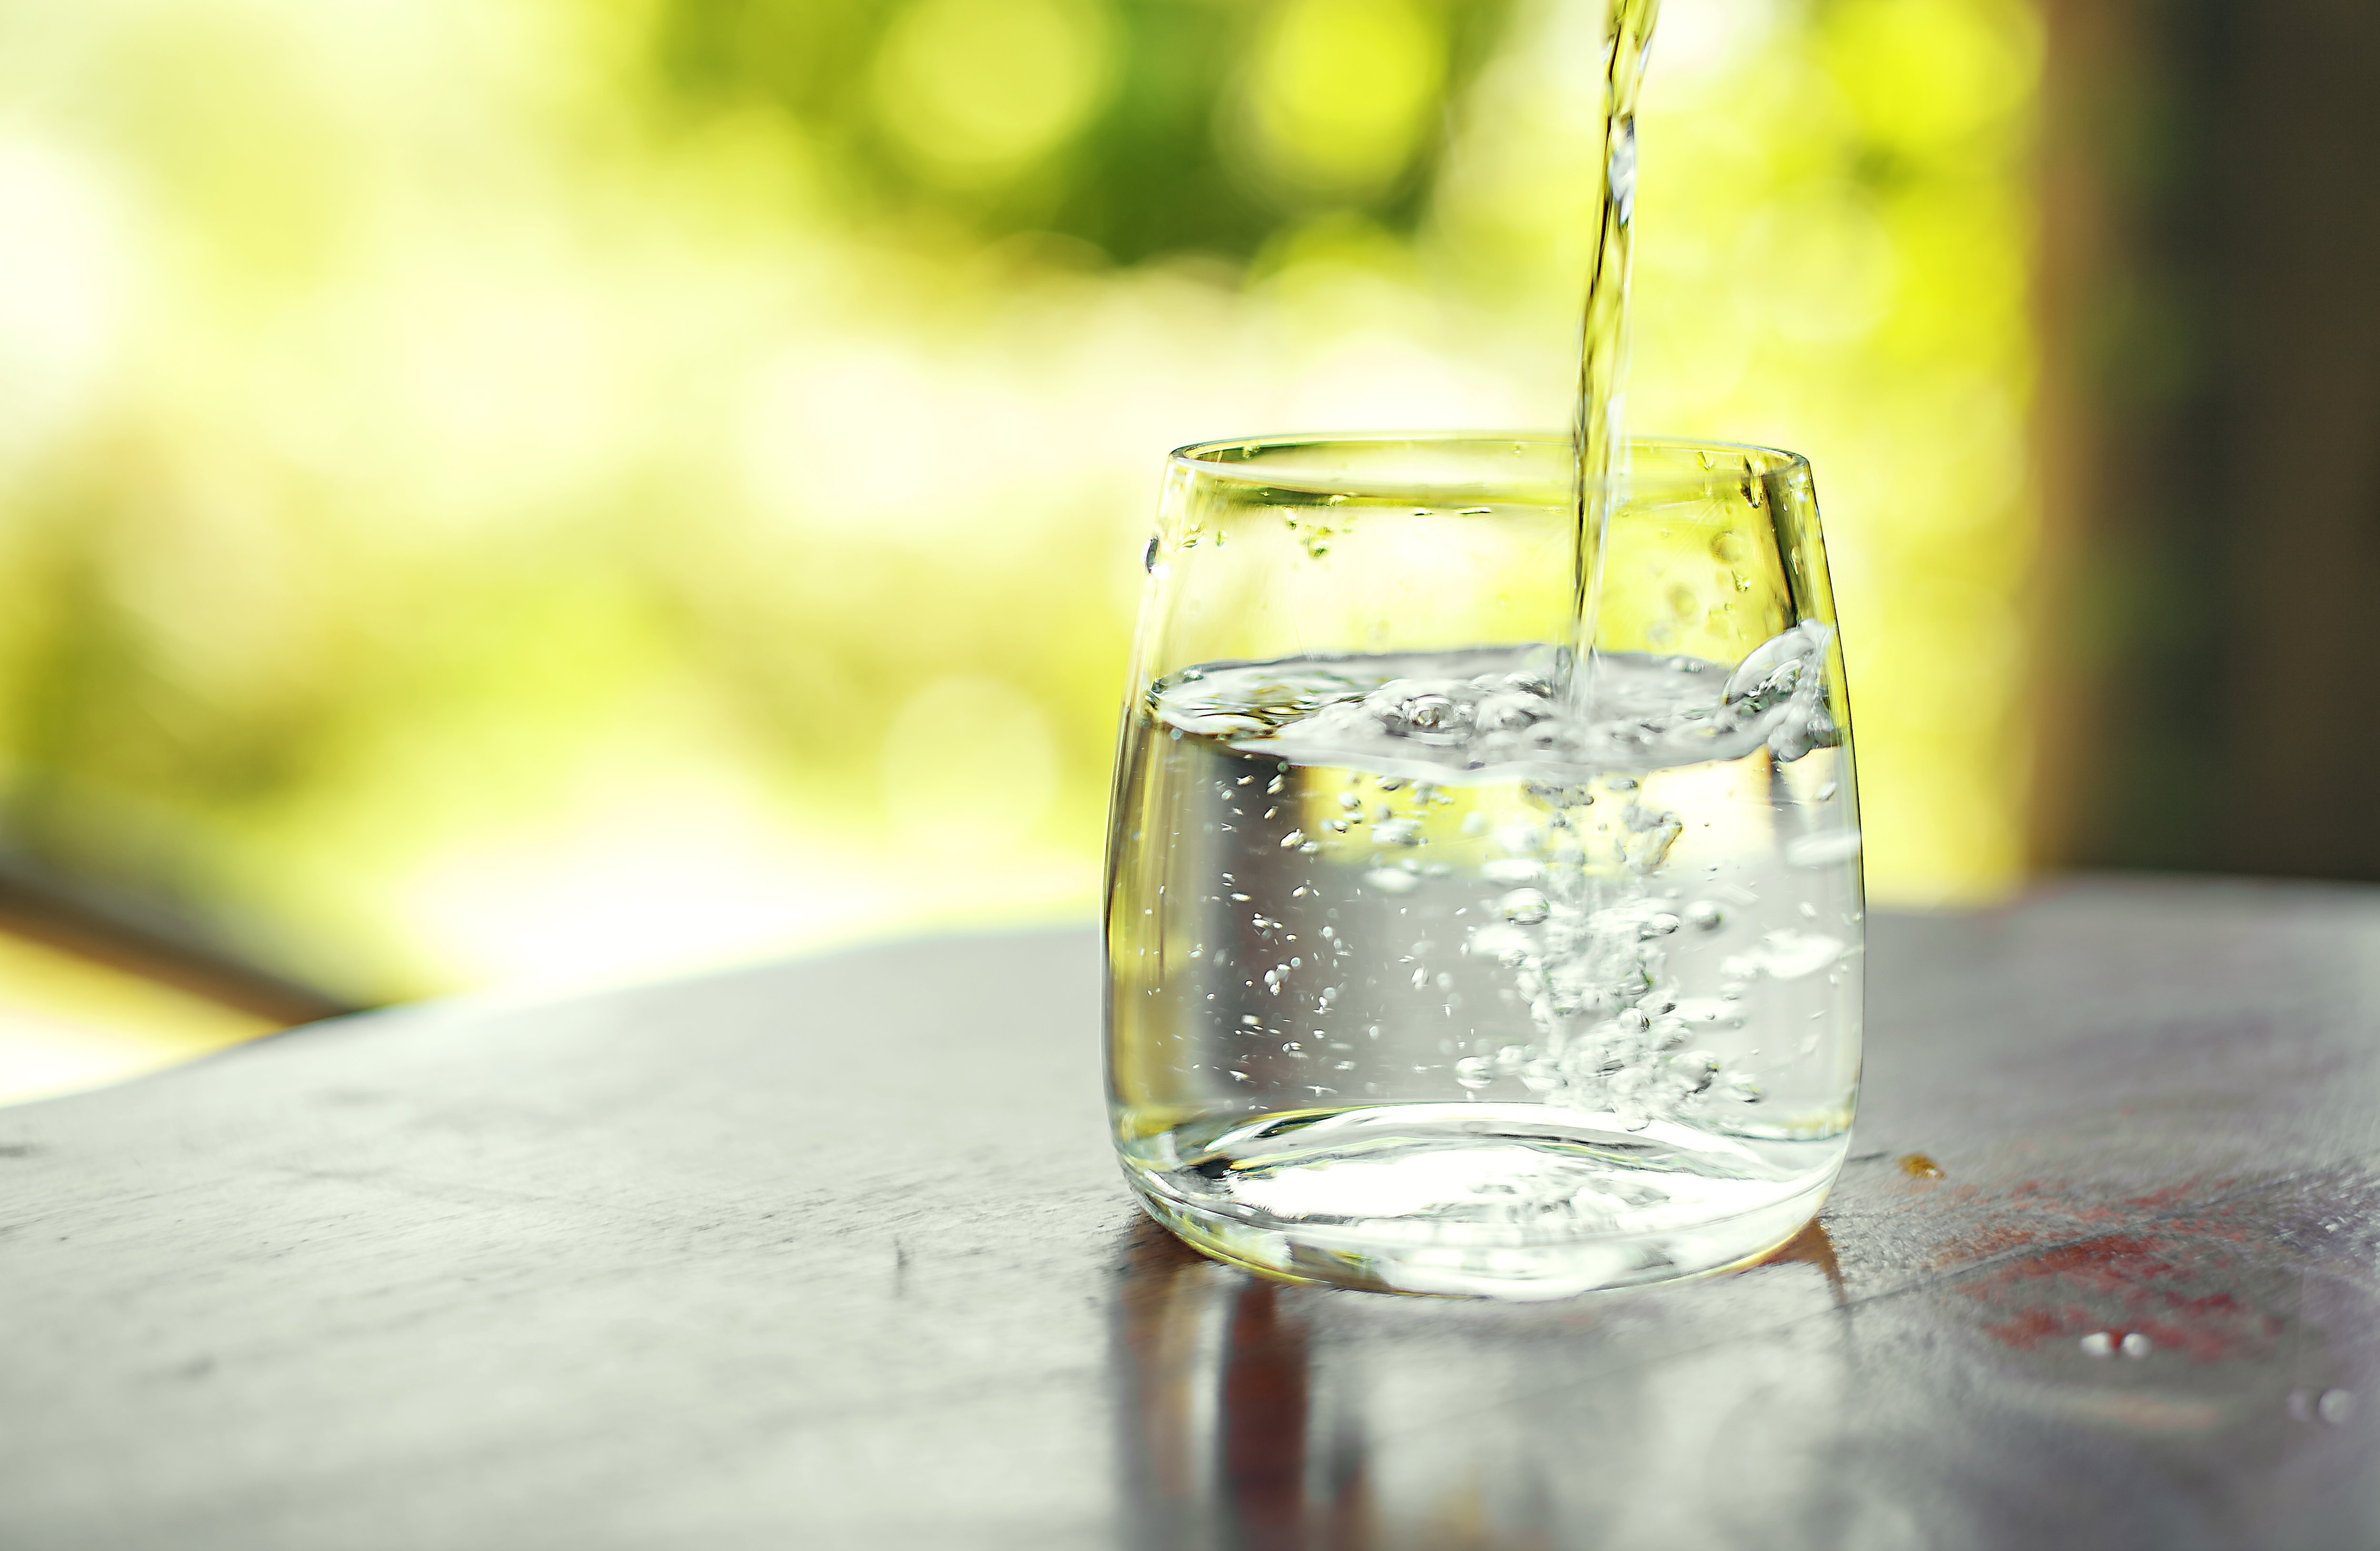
(2210, 426)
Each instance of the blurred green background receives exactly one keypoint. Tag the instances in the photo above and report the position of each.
(536, 492)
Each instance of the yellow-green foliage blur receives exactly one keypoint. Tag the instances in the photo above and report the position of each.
(508, 490)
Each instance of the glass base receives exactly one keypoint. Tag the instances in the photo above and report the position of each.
(1516, 1201)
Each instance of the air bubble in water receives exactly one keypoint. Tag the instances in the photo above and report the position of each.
(1525, 907)
(1696, 1069)
(1428, 713)
(1790, 956)
(1521, 839)
(1821, 849)
(1391, 880)
(1474, 1072)
(1703, 916)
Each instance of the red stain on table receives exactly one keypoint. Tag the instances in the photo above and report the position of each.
(2179, 1285)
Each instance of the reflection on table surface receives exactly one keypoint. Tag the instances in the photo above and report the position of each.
(2154, 1387)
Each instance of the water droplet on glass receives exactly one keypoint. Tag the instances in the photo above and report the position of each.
(2098, 1343)
(2335, 1407)
(2136, 1345)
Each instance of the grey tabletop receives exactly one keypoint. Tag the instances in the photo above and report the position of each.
(832, 1254)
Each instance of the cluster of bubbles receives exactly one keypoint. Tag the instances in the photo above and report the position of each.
(1641, 713)
(1614, 1033)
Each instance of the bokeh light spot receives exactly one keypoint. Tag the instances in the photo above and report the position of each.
(65, 272)
(1341, 92)
(977, 90)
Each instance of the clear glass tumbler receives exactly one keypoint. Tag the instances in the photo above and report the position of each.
(1435, 965)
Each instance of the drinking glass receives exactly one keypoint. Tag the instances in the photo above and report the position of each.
(1442, 957)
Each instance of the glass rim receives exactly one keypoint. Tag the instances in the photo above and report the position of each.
(1245, 459)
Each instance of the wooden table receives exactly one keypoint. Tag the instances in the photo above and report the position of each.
(832, 1255)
